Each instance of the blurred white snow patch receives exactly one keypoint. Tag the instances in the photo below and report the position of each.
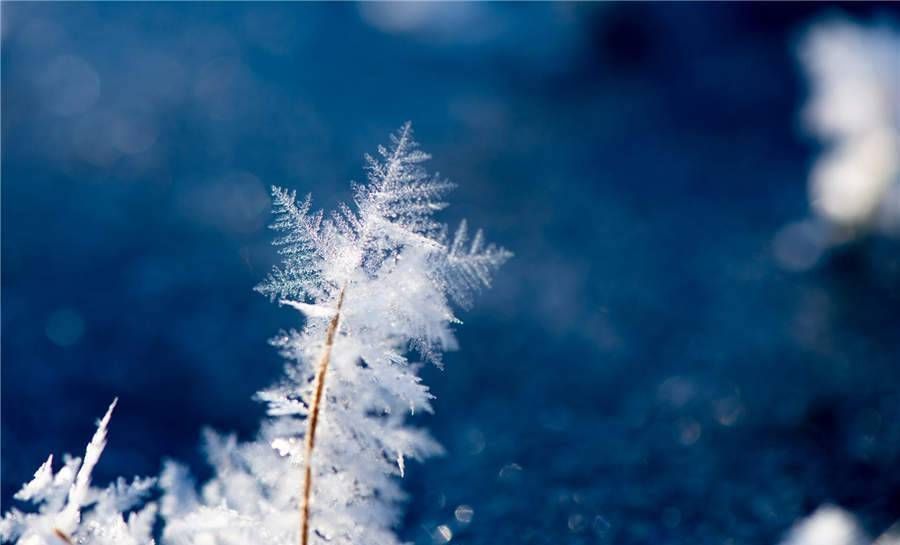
(178, 484)
(854, 73)
(891, 536)
(454, 21)
(855, 76)
(828, 525)
(556, 29)
(850, 182)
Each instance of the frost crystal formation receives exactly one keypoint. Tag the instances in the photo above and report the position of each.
(374, 282)
(70, 510)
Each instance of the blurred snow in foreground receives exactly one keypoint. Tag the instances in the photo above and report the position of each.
(854, 109)
(830, 525)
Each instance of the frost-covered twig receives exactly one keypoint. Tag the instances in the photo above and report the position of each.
(374, 282)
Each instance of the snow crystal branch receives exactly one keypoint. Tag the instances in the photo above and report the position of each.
(374, 281)
(71, 511)
(469, 267)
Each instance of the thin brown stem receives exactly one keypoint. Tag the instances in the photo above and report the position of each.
(62, 536)
(313, 420)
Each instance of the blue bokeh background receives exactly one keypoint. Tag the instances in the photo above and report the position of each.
(643, 370)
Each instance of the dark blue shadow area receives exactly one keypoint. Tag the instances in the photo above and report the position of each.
(643, 371)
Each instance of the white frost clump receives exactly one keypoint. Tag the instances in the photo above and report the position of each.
(854, 72)
(71, 511)
(376, 279)
(828, 525)
(854, 109)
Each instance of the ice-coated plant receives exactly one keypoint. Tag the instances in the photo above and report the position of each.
(71, 511)
(375, 283)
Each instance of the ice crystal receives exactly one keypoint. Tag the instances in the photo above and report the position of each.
(374, 282)
(70, 510)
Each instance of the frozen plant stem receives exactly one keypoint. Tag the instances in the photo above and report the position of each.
(381, 275)
(318, 389)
